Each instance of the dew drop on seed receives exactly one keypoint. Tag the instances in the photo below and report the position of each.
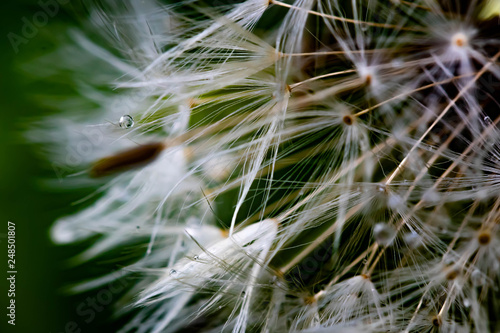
(384, 233)
(487, 120)
(173, 272)
(466, 303)
(395, 201)
(363, 26)
(126, 121)
(477, 278)
(413, 240)
(196, 257)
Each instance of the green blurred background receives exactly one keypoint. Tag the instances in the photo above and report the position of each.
(41, 303)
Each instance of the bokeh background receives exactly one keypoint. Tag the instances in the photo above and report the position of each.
(26, 198)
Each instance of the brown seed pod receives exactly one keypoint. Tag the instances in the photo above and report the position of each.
(127, 159)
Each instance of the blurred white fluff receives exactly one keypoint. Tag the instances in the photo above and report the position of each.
(231, 266)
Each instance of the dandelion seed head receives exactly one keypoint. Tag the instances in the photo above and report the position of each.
(348, 120)
(459, 40)
(436, 321)
(258, 143)
(484, 238)
(368, 76)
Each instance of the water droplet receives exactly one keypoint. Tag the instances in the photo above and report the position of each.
(363, 26)
(384, 233)
(466, 303)
(173, 272)
(477, 278)
(243, 293)
(126, 121)
(487, 120)
(413, 240)
(395, 201)
(220, 307)
(196, 257)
